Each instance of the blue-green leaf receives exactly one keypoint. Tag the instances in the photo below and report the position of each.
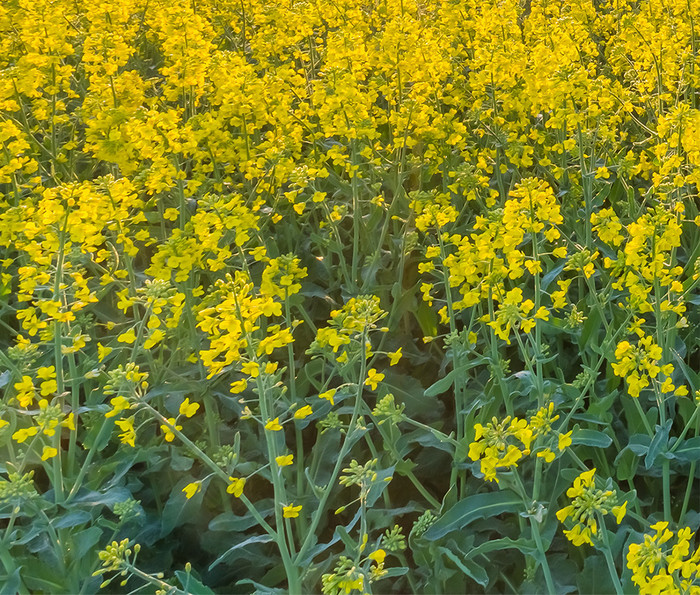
(472, 508)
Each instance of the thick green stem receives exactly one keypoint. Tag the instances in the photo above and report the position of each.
(321, 508)
(543, 557)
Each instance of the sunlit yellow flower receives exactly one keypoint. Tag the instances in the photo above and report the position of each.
(236, 486)
(373, 378)
(290, 511)
(21, 435)
(284, 460)
(303, 412)
(273, 425)
(328, 395)
(167, 429)
(188, 409)
(192, 488)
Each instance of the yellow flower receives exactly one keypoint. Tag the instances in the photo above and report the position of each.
(547, 455)
(236, 486)
(373, 378)
(25, 391)
(290, 511)
(394, 357)
(192, 488)
(620, 512)
(48, 453)
(564, 440)
(239, 386)
(119, 404)
(188, 409)
(252, 369)
(21, 435)
(588, 504)
(602, 172)
(168, 429)
(328, 395)
(127, 337)
(378, 556)
(153, 339)
(128, 435)
(273, 425)
(284, 460)
(48, 375)
(303, 412)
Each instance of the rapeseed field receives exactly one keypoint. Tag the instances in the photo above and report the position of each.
(349, 296)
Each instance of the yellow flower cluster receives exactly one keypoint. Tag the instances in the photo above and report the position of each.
(660, 565)
(587, 508)
(232, 313)
(639, 366)
(479, 263)
(501, 445)
(347, 326)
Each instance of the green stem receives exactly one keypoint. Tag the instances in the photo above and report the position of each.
(543, 557)
(320, 509)
(609, 559)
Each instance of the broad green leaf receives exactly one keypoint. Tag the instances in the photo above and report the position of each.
(595, 577)
(178, 509)
(441, 386)
(254, 539)
(590, 330)
(86, 540)
(478, 506)
(468, 567)
(73, 518)
(232, 523)
(639, 444)
(191, 585)
(658, 444)
(12, 583)
(588, 437)
(525, 546)
(688, 451)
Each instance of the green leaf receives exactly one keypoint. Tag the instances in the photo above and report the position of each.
(590, 330)
(232, 523)
(109, 497)
(178, 509)
(427, 319)
(441, 385)
(639, 444)
(12, 583)
(349, 542)
(384, 476)
(594, 438)
(395, 571)
(73, 518)
(468, 567)
(472, 508)
(444, 384)
(525, 546)
(626, 464)
(191, 585)
(262, 588)
(254, 539)
(595, 577)
(658, 444)
(86, 540)
(688, 451)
